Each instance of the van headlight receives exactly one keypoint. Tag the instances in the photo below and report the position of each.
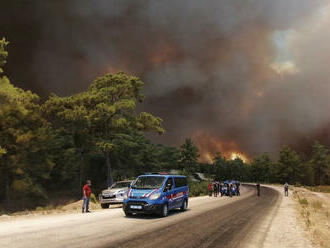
(155, 196)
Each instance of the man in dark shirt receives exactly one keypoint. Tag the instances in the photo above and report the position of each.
(258, 189)
(237, 188)
(86, 196)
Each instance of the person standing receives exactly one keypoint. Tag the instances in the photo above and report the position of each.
(286, 189)
(86, 196)
(215, 192)
(210, 188)
(237, 188)
(258, 189)
(230, 189)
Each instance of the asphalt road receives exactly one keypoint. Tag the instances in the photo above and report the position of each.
(209, 222)
(229, 225)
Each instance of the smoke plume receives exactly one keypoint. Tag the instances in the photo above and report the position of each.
(250, 75)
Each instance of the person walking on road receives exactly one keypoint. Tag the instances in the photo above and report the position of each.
(286, 189)
(86, 196)
(258, 189)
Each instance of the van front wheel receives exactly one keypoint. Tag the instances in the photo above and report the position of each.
(184, 205)
(164, 211)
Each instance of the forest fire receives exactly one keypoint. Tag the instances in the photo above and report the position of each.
(210, 146)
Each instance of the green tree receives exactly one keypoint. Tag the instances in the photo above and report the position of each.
(220, 168)
(3, 53)
(24, 138)
(189, 155)
(320, 162)
(289, 167)
(106, 111)
(261, 168)
(70, 120)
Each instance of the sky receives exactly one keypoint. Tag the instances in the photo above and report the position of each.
(244, 76)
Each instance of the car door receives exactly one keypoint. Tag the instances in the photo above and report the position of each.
(178, 192)
(168, 189)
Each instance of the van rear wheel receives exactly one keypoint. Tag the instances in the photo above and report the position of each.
(184, 205)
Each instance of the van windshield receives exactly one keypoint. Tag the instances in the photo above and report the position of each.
(148, 182)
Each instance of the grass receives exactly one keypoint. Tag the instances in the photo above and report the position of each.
(323, 189)
(315, 214)
(303, 202)
(317, 205)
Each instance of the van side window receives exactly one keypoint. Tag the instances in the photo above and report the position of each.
(180, 181)
(169, 182)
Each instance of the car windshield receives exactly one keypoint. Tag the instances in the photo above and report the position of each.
(148, 182)
(120, 185)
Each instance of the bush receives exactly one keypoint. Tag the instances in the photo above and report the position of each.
(303, 202)
(93, 198)
(39, 208)
(198, 188)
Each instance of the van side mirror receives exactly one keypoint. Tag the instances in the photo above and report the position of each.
(168, 187)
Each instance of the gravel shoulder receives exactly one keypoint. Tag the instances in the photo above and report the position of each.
(314, 213)
(282, 227)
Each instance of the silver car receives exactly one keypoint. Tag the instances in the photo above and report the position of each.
(114, 194)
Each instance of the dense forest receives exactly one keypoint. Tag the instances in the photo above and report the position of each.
(49, 147)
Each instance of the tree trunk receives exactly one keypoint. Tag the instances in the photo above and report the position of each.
(81, 171)
(109, 175)
(7, 191)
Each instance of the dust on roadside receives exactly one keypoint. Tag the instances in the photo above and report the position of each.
(72, 207)
(314, 212)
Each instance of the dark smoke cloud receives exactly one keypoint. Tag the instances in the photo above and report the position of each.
(211, 67)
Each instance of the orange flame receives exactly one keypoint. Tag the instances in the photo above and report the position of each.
(209, 146)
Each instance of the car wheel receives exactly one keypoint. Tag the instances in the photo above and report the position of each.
(128, 213)
(184, 205)
(105, 205)
(164, 211)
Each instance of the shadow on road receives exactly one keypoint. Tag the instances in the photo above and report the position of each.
(155, 216)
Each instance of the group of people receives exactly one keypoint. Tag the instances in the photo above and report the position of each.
(215, 188)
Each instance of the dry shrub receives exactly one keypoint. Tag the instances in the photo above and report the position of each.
(317, 205)
(303, 202)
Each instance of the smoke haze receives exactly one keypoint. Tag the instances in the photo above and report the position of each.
(238, 75)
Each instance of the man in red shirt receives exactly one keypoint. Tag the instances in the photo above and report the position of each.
(86, 196)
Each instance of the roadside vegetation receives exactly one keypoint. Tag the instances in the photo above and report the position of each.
(49, 147)
(314, 212)
(322, 188)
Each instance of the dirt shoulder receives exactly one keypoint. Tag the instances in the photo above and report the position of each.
(282, 227)
(73, 207)
(314, 212)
